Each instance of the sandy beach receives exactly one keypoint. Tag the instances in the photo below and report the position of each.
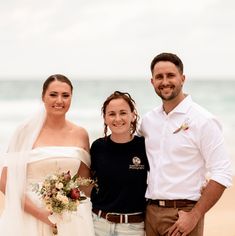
(220, 220)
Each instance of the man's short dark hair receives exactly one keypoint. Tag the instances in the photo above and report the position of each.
(165, 56)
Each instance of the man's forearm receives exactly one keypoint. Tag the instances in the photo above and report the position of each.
(211, 194)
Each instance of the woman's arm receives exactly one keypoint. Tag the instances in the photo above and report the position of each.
(84, 172)
(3, 180)
(29, 206)
(39, 213)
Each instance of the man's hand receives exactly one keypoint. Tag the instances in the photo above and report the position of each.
(185, 223)
(188, 220)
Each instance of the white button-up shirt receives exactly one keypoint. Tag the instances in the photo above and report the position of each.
(182, 147)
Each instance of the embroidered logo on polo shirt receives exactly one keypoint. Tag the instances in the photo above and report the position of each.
(136, 164)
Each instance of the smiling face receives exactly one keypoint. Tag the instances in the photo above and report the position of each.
(118, 118)
(168, 81)
(57, 98)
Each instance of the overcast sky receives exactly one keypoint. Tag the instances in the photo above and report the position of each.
(115, 38)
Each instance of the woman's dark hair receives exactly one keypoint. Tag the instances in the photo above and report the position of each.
(130, 101)
(56, 77)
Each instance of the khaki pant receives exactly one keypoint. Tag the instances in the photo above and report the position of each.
(159, 219)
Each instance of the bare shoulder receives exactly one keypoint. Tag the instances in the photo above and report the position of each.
(80, 131)
(80, 136)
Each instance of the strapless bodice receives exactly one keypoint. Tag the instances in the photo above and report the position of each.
(49, 160)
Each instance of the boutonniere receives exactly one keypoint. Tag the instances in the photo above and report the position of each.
(184, 126)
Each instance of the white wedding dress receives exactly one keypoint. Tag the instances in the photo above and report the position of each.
(49, 160)
(45, 161)
(26, 166)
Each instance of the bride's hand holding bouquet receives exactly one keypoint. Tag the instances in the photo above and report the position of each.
(61, 193)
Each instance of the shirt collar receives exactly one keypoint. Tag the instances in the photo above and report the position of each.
(182, 107)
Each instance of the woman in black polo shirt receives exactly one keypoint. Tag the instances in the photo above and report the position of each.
(119, 163)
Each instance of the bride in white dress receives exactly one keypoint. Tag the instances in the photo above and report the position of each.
(44, 145)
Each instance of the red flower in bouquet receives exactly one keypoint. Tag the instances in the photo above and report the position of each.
(75, 193)
(61, 192)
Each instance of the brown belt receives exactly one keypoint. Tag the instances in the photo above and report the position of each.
(172, 203)
(120, 218)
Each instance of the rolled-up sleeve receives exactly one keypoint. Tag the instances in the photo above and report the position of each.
(217, 160)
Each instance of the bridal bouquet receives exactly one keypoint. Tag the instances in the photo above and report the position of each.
(60, 192)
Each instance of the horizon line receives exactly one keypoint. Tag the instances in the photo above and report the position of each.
(121, 78)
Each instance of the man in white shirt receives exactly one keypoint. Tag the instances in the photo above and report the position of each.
(184, 142)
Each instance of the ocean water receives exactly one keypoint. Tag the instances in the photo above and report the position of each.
(20, 98)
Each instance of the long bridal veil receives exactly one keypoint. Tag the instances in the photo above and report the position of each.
(15, 161)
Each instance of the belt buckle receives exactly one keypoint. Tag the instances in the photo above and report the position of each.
(119, 215)
(107, 216)
(162, 203)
